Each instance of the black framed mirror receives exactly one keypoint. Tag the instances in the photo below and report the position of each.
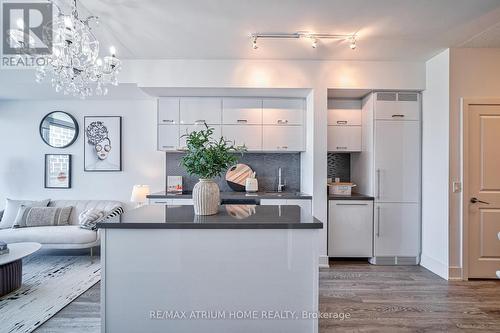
(59, 129)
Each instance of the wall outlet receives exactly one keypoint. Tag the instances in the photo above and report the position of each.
(457, 187)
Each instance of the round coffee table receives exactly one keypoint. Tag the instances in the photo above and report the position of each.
(11, 265)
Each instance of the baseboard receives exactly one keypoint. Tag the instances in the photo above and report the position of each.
(455, 273)
(435, 266)
(324, 262)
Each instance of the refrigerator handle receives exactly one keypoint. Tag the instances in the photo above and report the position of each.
(378, 221)
(378, 183)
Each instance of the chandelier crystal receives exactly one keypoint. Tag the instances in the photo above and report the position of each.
(74, 67)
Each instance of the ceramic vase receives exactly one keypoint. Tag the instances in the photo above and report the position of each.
(206, 197)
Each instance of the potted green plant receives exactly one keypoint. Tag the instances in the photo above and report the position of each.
(207, 158)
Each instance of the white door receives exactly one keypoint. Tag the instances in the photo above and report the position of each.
(344, 138)
(350, 228)
(168, 137)
(248, 135)
(186, 129)
(396, 230)
(283, 138)
(483, 199)
(397, 161)
(195, 110)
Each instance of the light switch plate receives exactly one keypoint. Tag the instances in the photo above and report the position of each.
(457, 187)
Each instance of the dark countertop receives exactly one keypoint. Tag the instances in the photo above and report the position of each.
(229, 217)
(353, 196)
(235, 195)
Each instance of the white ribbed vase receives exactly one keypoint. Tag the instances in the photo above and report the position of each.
(206, 197)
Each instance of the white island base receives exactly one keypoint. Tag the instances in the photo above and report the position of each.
(209, 280)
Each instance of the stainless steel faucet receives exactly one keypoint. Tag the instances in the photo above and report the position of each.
(281, 185)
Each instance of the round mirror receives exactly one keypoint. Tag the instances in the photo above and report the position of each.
(59, 129)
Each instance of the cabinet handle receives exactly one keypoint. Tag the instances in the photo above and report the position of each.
(281, 121)
(378, 183)
(343, 204)
(284, 147)
(342, 122)
(242, 121)
(160, 202)
(341, 147)
(398, 116)
(378, 221)
(167, 146)
(168, 120)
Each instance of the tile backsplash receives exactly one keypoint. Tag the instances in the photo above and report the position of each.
(265, 165)
(339, 165)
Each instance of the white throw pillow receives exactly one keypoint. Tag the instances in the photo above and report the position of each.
(89, 218)
(12, 208)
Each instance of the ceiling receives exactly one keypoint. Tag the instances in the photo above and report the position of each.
(405, 30)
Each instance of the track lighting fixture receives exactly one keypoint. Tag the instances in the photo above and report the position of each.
(314, 37)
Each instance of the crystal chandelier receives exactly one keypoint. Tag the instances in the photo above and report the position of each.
(74, 67)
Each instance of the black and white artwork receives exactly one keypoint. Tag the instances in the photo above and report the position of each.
(57, 171)
(103, 146)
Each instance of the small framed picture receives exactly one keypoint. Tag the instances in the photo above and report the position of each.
(57, 171)
(103, 143)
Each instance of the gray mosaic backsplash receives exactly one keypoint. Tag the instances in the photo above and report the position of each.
(265, 165)
(339, 165)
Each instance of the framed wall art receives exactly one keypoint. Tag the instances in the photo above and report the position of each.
(57, 171)
(103, 143)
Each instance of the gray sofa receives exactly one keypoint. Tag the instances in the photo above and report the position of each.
(64, 236)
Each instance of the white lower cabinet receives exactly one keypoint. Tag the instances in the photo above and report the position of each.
(282, 138)
(248, 135)
(396, 230)
(350, 228)
(344, 138)
(304, 204)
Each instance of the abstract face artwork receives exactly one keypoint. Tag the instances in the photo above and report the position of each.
(103, 144)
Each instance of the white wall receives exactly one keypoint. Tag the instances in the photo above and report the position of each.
(22, 158)
(435, 165)
(474, 73)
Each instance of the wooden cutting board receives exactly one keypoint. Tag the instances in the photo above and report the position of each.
(237, 175)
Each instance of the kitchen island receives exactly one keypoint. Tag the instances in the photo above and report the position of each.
(246, 269)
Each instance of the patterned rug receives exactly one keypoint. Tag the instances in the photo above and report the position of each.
(50, 282)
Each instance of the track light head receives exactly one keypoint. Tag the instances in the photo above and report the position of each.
(254, 43)
(353, 43)
(314, 43)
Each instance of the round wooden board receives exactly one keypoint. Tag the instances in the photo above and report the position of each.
(237, 175)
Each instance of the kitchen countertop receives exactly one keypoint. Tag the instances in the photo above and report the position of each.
(228, 217)
(353, 196)
(235, 195)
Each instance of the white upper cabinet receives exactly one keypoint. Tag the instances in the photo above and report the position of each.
(248, 135)
(344, 112)
(397, 161)
(242, 111)
(195, 110)
(397, 106)
(283, 111)
(344, 138)
(168, 110)
(186, 129)
(168, 137)
(283, 138)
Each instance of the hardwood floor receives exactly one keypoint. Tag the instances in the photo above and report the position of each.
(377, 299)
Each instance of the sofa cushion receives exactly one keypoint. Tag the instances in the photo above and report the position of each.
(81, 205)
(12, 208)
(65, 234)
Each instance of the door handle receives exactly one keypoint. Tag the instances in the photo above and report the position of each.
(398, 116)
(378, 221)
(476, 200)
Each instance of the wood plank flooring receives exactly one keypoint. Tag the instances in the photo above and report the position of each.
(377, 298)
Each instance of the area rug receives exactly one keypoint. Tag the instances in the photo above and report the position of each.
(50, 283)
